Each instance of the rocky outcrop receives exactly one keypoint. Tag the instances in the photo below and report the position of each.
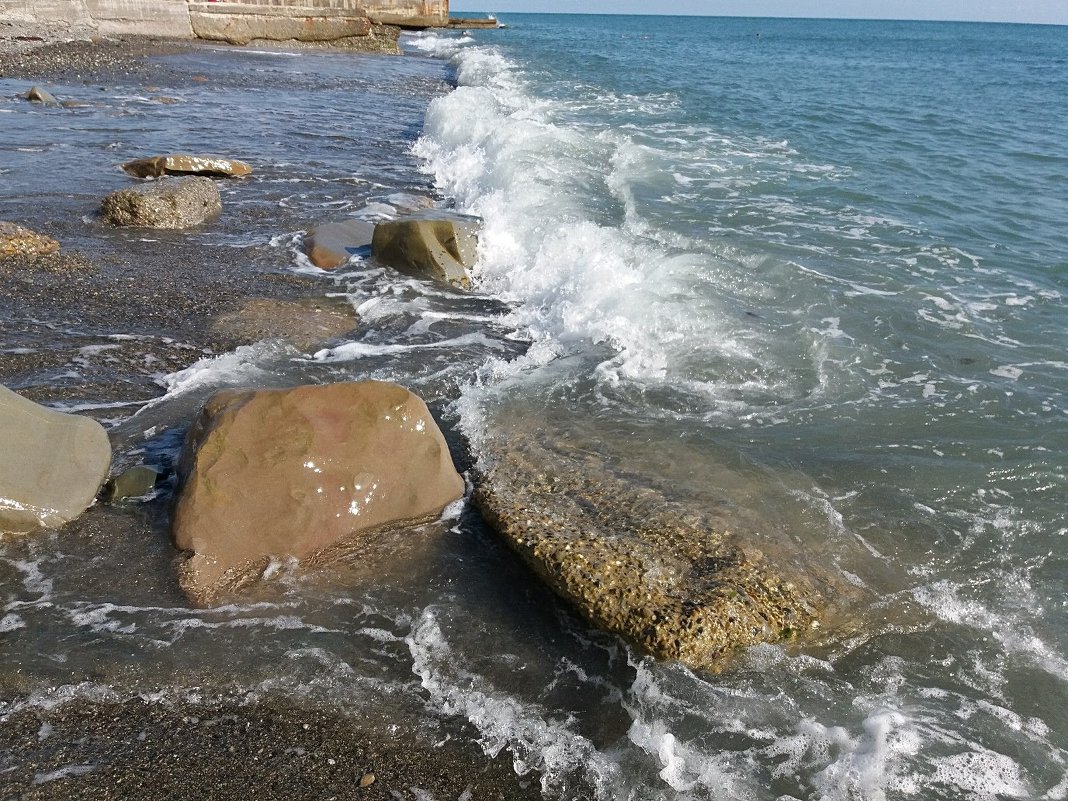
(51, 464)
(301, 473)
(429, 244)
(167, 203)
(303, 323)
(681, 581)
(329, 246)
(18, 241)
(184, 164)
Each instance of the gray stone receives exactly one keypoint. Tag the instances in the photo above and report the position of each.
(301, 473)
(167, 203)
(51, 464)
(241, 23)
(39, 95)
(430, 244)
(329, 246)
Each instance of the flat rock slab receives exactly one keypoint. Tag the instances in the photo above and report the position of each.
(185, 164)
(51, 464)
(18, 241)
(300, 472)
(433, 244)
(304, 323)
(672, 579)
(329, 246)
(173, 203)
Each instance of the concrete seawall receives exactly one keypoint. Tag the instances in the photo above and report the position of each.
(310, 20)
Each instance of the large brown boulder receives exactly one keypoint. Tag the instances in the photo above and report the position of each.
(301, 472)
(167, 203)
(185, 164)
(329, 246)
(429, 244)
(51, 464)
(18, 241)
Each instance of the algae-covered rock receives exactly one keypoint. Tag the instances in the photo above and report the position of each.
(173, 203)
(18, 241)
(51, 464)
(298, 473)
(674, 579)
(185, 164)
(429, 244)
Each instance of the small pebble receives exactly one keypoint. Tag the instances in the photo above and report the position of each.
(367, 780)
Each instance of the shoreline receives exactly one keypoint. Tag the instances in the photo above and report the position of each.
(108, 748)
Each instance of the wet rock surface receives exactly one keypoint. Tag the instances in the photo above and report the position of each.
(184, 164)
(304, 323)
(172, 203)
(674, 579)
(298, 472)
(430, 244)
(330, 245)
(51, 464)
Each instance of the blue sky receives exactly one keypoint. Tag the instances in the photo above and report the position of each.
(1047, 11)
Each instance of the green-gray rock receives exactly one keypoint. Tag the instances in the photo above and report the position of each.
(39, 95)
(133, 483)
(429, 244)
(51, 464)
(167, 203)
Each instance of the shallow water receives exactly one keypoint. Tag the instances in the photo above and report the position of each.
(811, 273)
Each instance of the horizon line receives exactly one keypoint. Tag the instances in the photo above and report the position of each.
(499, 14)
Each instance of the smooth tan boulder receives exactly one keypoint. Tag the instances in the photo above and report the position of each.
(300, 473)
(41, 96)
(329, 246)
(430, 244)
(184, 164)
(173, 203)
(51, 464)
(18, 241)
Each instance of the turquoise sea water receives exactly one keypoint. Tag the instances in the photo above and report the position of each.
(833, 256)
(809, 273)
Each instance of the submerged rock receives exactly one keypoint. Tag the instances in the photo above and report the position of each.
(136, 482)
(300, 472)
(304, 323)
(18, 241)
(169, 203)
(674, 580)
(184, 164)
(329, 246)
(51, 464)
(429, 244)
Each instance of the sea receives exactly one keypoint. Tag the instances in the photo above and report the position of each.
(808, 272)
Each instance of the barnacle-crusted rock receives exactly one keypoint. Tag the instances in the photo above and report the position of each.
(18, 241)
(675, 580)
(167, 203)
